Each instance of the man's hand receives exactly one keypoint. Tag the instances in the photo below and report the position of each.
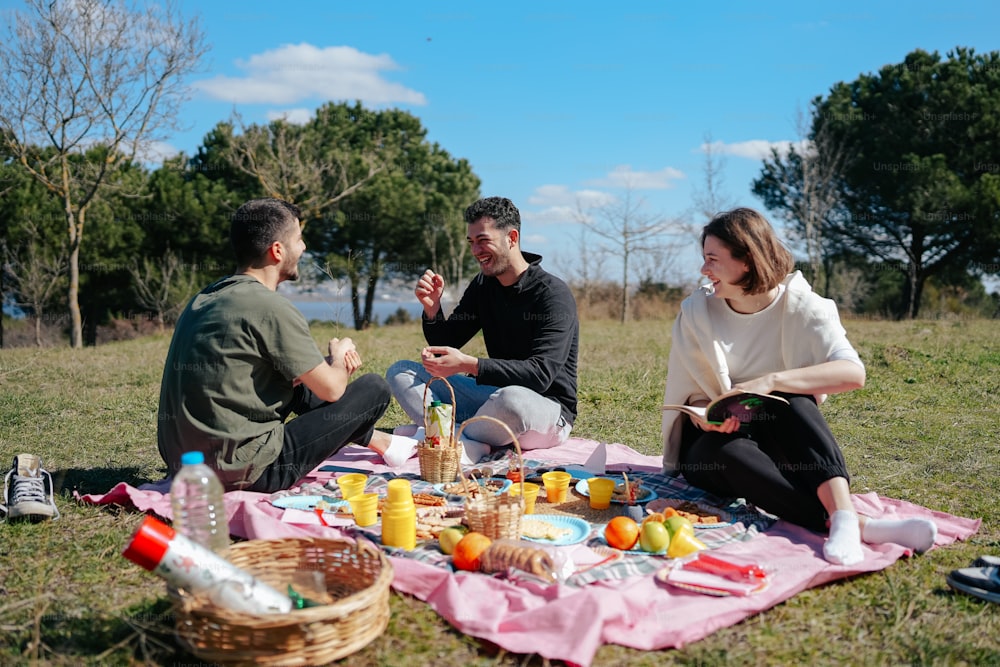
(447, 361)
(343, 352)
(429, 289)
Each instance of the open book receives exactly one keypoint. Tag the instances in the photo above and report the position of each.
(746, 406)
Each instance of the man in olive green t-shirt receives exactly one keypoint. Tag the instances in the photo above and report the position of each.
(242, 360)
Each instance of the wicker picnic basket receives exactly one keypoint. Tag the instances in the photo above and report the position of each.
(357, 577)
(439, 464)
(495, 516)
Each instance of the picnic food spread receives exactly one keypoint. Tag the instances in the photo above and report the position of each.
(442, 522)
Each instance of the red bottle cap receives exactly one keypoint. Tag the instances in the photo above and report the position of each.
(150, 543)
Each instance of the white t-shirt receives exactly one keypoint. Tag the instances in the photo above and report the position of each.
(750, 341)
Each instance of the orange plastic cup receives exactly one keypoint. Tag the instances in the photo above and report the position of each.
(352, 484)
(365, 508)
(530, 495)
(600, 489)
(556, 485)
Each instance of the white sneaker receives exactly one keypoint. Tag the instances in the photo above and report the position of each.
(24, 496)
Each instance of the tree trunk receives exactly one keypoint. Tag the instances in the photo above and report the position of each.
(916, 292)
(624, 317)
(38, 329)
(76, 320)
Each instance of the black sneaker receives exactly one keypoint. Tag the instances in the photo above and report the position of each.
(982, 582)
(27, 490)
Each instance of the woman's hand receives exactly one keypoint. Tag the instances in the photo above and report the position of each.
(731, 425)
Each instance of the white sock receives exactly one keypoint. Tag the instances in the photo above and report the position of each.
(400, 449)
(474, 451)
(916, 534)
(843, 546)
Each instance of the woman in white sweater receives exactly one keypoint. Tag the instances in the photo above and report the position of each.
(759, 327)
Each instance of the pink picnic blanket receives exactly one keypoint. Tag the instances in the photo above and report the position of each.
(565, 622)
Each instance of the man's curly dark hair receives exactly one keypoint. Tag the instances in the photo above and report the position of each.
(500, 209)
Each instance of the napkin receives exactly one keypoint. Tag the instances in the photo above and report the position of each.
(597, 461)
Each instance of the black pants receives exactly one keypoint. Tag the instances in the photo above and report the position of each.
(776, 462)
(322, 429)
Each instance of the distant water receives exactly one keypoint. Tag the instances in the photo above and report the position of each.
(340, 311)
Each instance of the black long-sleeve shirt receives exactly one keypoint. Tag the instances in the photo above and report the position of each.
(531, 331)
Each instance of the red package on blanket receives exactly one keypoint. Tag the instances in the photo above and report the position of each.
(712, 575)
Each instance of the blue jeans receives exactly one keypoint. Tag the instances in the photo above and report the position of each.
(535, 420)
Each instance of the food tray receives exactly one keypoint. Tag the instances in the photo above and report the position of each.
(645, 496)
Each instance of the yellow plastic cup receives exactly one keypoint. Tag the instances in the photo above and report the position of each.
(352, 484)
(365, 508)
(556, 485)
(530, 495)
(600, 490)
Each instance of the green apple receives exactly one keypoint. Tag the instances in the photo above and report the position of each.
(653, 537)
(676, 524)
(449, 537)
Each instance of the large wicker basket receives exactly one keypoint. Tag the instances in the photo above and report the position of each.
(495, 516)
(357, 578)
(439, 464)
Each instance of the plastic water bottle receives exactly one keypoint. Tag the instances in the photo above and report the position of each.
(185, 564)
(196, 497)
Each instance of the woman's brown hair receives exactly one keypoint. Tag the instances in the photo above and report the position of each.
(751, 239)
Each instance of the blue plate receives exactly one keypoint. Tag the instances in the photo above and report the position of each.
(647, 493)
(307, 503)
(634, 551)
(580, 529)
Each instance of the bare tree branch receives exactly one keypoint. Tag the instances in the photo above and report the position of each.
(629, 231)
(89, 83)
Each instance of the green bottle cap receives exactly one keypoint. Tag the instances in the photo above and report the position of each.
(436, 403)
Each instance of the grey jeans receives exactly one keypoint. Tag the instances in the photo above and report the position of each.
(537, 421)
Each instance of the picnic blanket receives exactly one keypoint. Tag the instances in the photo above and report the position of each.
(621, 603)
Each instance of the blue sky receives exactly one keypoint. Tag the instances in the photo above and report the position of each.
(559, 102)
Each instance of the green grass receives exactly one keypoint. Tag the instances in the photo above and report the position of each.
(924, 429)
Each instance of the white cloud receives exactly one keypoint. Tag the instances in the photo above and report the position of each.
(755, 149)
(296, 72)
(298, 116)
(561, 195)
(622, 176)
(560, 204)
(156, 152)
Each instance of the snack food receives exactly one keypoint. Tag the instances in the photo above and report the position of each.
(472, 489)
(542, 530)
(505, 553)
(432, 520)
(625, 489)
(691, 512)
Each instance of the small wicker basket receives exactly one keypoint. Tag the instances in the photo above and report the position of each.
(439, 464)
(495, 516)
(357, 578)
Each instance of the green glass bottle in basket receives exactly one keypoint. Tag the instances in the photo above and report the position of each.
(439, 454)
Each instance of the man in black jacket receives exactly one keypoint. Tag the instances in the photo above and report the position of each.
(530, 327)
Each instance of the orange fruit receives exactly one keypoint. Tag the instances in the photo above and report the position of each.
(655, 516)
(469, 550)
(621, 533)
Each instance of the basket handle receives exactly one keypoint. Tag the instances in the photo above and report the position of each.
(517, 448)
(454, 405)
